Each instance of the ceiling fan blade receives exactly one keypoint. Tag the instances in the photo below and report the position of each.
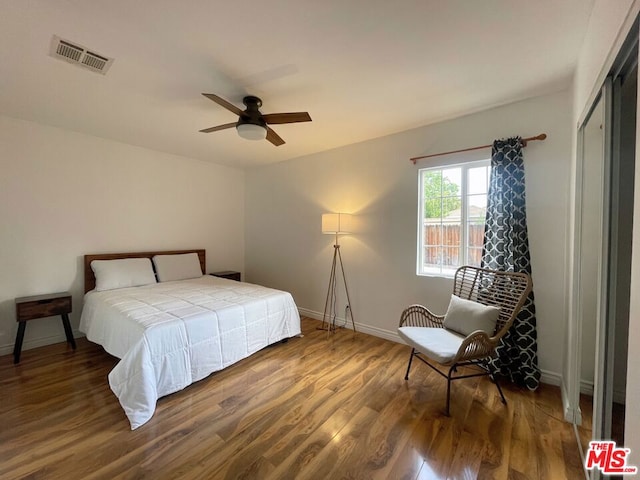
(223, 103)
(294, 117)
(274, 138)
(219, 127)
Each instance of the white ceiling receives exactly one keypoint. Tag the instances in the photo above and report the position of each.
(361, 68)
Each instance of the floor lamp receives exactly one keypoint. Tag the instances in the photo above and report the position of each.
(335, 224)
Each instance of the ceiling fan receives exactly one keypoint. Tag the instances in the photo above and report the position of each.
(252, 124)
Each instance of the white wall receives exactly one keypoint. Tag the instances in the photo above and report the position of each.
(64, 194)
(376, 181)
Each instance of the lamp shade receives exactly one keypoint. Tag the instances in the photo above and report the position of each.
(337, 223)
(250, 131)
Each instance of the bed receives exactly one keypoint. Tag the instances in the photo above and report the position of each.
(170, 334)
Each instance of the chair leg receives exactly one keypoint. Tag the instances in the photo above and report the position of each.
(451, 370)
(406, 376)
(495, 380)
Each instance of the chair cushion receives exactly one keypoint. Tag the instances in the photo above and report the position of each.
(465, 317)
(438, 344)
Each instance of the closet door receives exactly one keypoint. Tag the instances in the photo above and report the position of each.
(623, 162)
(604, 217)
(592, 254)
(603, 381)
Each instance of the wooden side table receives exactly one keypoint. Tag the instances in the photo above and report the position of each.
(228, 274)
(41, 306)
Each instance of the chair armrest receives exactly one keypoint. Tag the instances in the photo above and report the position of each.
(419, 316)
(476, 345)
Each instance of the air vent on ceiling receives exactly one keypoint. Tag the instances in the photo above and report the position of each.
(75, 53)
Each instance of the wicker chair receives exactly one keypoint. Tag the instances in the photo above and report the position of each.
(434, 341)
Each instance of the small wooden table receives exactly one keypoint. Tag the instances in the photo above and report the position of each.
(228, 274)
(41, 306)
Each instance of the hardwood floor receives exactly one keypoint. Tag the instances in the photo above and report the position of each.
(585, 431)
(316, 407)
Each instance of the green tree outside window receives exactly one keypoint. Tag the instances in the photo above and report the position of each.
(441, 196)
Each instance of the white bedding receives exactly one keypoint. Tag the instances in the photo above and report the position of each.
(169, 335)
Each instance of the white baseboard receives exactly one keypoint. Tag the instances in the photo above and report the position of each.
(305, 312)
(546, 376)
(586, 388)
(360, 327)
(39, 342)
(572, 415)
(550, 378)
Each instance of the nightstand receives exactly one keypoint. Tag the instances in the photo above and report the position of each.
(41, 306)
(228, 274)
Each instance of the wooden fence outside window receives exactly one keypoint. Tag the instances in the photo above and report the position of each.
(442, 244)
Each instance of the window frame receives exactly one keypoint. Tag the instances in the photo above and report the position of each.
(464, 166)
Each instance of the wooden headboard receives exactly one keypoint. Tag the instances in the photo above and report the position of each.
(90, 279)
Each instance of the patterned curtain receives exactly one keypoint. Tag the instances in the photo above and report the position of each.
(506, 247)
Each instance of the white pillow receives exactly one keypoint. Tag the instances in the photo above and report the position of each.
(177, 267)
(126, 272)
(465, 316)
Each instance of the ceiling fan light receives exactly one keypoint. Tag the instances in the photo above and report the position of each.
(250, 131)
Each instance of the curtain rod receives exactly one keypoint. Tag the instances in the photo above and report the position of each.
(542, 136)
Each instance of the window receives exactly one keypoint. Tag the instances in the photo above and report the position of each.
(451, 216)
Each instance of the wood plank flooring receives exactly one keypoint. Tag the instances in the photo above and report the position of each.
(316, 407)
(585, 431)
